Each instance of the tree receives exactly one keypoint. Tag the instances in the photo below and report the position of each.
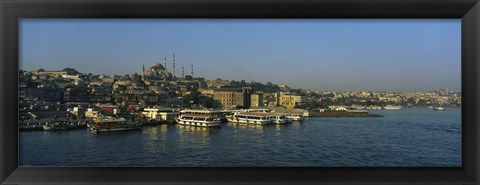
(188, 77)
(41, 70)
(71, 71)
(193, 97)
(209, 102)
(243, 83)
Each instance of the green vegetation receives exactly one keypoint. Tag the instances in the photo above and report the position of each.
(71, 71)
(196, 98)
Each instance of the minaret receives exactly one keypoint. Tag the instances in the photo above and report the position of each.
(165, 67)
(173, 67)
(143, 72)
(183, 73)
(192, 71)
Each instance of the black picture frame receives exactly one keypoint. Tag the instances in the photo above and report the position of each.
(13, 10)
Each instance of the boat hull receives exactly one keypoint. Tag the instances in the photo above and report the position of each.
(296, 118)
(54, 128)
(198, 123)
(248, 121)
(280, 121)
(114, 129)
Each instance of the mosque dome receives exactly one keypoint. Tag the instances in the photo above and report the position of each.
(157, 66)
(157, 70)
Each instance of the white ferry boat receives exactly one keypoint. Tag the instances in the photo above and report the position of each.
(112, 124)
(201, 118)
(250, 118)
(295, 117)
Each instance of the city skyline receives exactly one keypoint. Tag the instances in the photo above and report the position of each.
(338, 55)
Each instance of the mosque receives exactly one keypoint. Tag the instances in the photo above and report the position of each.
(160, 72)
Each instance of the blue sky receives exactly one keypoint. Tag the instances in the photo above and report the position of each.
(318, 54)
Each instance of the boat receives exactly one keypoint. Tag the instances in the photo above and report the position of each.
(250, 118)
(279, 119)
(112, 124)
(30, 126)
(295, 117)
(392, 107)
(373, 107)
(200, 118)
(439, 109)
(52, 126)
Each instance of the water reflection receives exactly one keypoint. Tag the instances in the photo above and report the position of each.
(296, 125)
(253, 127)
(115, 133)
(279, 127)
(154, 140)
(198, 135)
(152, 133)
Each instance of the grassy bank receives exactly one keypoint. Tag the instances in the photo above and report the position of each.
(343, 114)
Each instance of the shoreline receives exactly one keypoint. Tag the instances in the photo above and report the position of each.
(342, 114)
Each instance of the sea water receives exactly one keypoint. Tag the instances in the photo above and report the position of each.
(410, 137)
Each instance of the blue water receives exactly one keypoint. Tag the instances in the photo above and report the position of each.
(408, 137)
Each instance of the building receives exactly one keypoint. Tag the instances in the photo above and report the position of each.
(233, 96)
(53, 73)
(165, 114)
(286, 100)
(156, 72)
(284, 88)
(300, 100)
(229, 99)
(206, 92)
(217, 83)
(46, 94)
(256, 99)
(290, 100)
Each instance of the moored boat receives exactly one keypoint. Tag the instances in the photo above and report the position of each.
(52, 126)
(392, 107)
(250, 118)
(295, 117)
(112, 124)
(30, 126)
(279, 119)
(439, 109)
(200, 118)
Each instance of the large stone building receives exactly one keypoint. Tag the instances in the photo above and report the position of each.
(229, 99)
(159, 72)
(256, 99)
(156, 71)
(233, 96)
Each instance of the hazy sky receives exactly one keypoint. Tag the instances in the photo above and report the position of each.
(319, 54)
